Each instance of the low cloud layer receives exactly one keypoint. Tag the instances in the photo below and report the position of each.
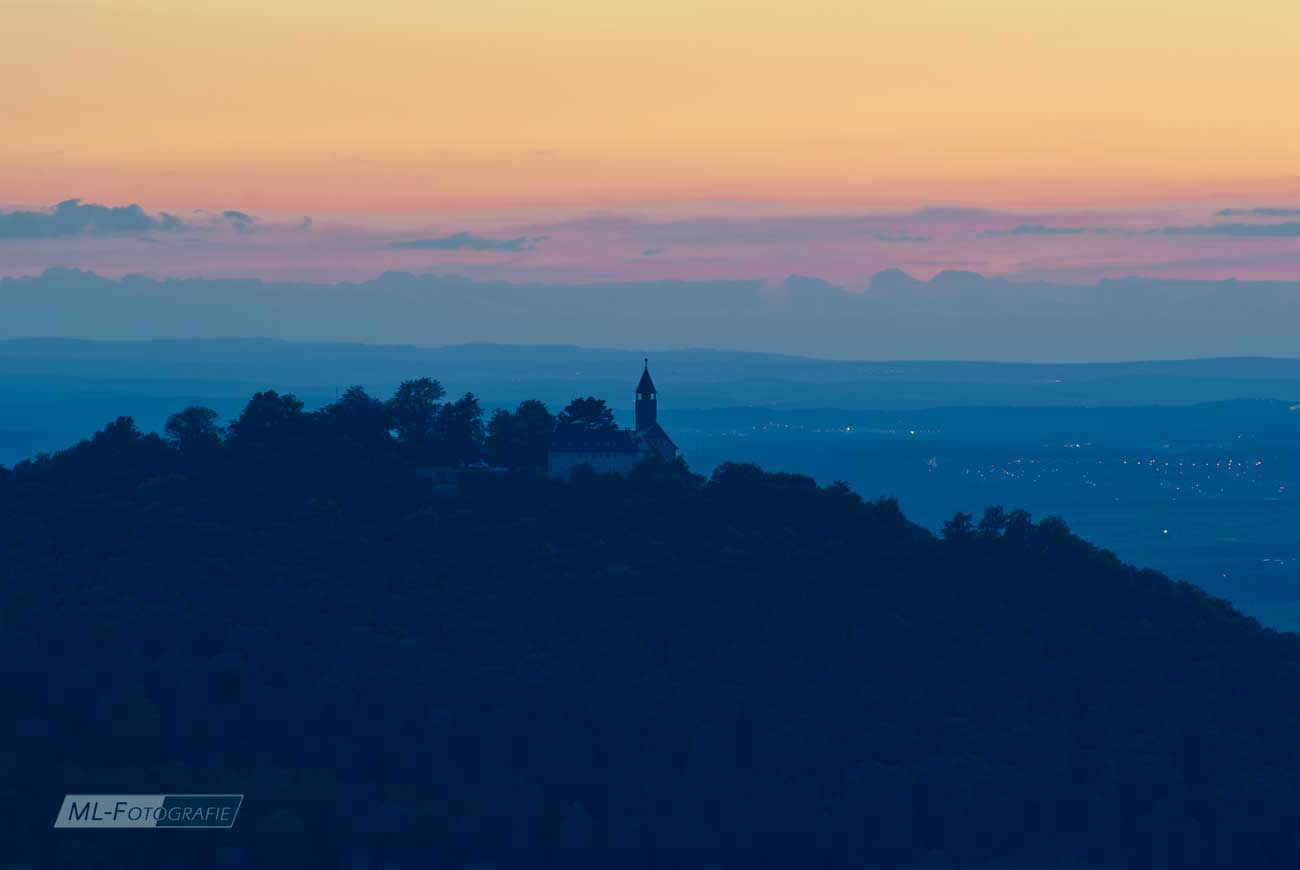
(737, 241)
(1289, 229)
(900, 237)
(239, 221)
(1258, 212)
(72, 218)
(1042, 230)
(469, 242)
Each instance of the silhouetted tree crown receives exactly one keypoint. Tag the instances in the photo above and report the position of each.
(268, 417)
(460, 432)
(413, 410)
(359, 416)
(194, 431)
(520, 439)
(586, 415)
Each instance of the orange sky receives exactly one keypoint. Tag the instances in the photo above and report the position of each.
(407, 105)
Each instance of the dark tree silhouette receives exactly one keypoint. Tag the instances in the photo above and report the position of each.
(194, 430)
(413, 410)
(460, 432)
(359, 416)
(586, 415)
(1019, 524)
(993, 522)
(520, 439)
(959, 527)
(267, 417)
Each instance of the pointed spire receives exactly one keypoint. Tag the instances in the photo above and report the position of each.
(645, 400)
(646, 386)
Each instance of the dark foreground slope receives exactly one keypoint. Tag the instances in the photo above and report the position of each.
(655, 672)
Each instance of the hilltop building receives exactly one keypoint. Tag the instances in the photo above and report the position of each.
(616, 451)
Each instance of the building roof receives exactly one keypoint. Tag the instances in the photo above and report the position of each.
(646, 385)
(654, 432)
(608, 441)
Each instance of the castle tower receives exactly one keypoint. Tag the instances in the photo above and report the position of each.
(646, 403)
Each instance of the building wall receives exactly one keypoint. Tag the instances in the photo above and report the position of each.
(564, 462)
(663, 448)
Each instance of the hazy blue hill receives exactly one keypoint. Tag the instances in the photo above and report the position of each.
(700, 378)
(657, 671)
(941, 436)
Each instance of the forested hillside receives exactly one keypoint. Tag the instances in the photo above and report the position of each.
(664, 671)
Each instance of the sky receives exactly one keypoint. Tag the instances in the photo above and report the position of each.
(584, 140)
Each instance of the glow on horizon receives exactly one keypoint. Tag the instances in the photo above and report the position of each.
(399, 106)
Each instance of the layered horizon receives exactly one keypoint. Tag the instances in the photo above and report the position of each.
(1247, 241)
(955, 314)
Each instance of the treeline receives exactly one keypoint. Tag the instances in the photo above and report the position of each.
(358, 450)
(415, 423)
(657, 671)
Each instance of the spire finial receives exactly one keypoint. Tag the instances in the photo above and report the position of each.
(646, 360)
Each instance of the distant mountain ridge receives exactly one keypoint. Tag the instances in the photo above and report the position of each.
(698, 377)
(955, 315)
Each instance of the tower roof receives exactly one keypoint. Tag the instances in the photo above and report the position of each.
(646, 385)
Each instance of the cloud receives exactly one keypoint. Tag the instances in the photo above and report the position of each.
(1259, 212)
(243, 223)
(71, 218)
(740, 242)
(1289, 229)
(710, 231)
(470, 242)
(916, 226)
(1041, 230)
